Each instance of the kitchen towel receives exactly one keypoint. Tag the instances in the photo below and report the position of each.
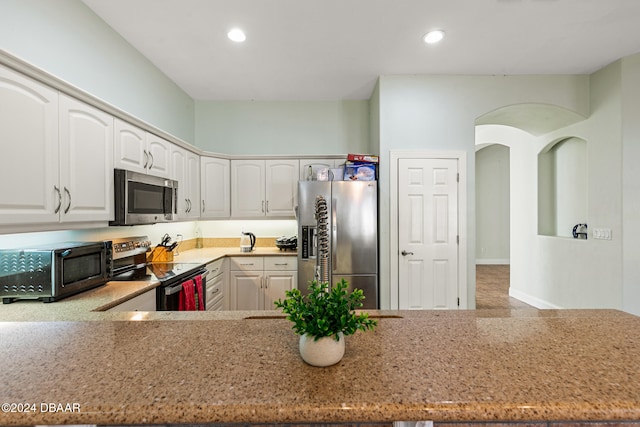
(200, 302)
(187, 299)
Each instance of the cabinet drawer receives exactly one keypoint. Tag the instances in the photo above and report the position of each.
(214, 268)
(216, 305)
(281, 263)
(246, 263)
(214, 290)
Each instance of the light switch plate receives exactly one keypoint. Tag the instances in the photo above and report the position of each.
(602, 233)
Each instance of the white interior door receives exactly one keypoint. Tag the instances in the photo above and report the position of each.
(428, 233)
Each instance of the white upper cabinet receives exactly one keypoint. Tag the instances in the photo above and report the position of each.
(281, 187)
(263, 188)
(29, 139)
(193, 184)
(309, 167)
(247, 188)
(158, 150)
(140, 151)
(86, 162)
(185, 168)
(58, 156)
(215, 188)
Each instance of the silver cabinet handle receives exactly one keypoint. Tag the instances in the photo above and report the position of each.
(286, 263)
(263, 206)
(215, 291)
(55, 187)
(146, 158)
(267, 206)
(66, 190)
(250, 263)
(202, 205)
(150, 164)
(405, 253)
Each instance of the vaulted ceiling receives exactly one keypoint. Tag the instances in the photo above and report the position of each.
(336, 49)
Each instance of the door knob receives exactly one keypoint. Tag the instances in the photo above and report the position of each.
(405, 253)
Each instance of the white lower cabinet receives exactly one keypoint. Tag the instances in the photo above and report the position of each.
(256, 282)
(142, 302)
(216, 285)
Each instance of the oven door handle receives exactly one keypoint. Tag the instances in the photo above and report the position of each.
(172, 290)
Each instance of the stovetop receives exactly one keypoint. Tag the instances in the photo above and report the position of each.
(165, 271)
(162, 271)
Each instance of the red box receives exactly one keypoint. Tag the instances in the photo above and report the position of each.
(368, 158)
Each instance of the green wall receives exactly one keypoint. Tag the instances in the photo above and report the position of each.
(65, 38)
(283, 127)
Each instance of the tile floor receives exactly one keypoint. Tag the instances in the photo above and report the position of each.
(492, 288)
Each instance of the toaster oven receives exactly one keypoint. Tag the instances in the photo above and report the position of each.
(55, 271)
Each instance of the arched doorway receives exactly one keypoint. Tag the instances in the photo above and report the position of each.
(511, 135)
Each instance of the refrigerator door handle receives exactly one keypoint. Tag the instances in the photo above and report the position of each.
(334, 235)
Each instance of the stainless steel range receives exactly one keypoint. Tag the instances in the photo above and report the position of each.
(182, 285)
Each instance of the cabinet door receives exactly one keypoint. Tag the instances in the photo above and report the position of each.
(86, 162)
(215, 188)
(246, 290)
(193, 184)
(130, 151)
(281, 187)
(276, 284)
(309, 168)
(29, 137)
(179, 173)
(142, 302)
(247, 188)
(159, 155)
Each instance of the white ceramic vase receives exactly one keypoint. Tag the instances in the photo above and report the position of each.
(326, 351)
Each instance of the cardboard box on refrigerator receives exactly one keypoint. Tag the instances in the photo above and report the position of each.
(357, 171)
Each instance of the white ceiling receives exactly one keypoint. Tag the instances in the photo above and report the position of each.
(336, 49)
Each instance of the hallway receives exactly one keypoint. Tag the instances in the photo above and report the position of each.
(492, 288)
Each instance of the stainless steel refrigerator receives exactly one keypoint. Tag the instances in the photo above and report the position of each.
(352, 232)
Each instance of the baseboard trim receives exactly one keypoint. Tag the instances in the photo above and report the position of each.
(497, 261)
(531, 300)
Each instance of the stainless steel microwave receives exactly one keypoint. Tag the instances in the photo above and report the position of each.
(55, 271)
(143, 199)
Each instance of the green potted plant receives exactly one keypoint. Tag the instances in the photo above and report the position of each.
(322, 319)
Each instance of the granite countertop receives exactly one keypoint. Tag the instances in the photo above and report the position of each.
(91, 304)
(66, 363)
(502, 365)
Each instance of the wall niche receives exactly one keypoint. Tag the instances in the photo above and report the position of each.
(562, 187)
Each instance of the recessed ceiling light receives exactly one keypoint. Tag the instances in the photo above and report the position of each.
(433, 36)
(237, 35)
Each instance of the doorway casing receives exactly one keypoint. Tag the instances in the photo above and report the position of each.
(461, 156)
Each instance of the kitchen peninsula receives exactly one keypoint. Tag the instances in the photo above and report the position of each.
(244, 367)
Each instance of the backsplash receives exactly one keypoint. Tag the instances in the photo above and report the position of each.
(211, 231)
